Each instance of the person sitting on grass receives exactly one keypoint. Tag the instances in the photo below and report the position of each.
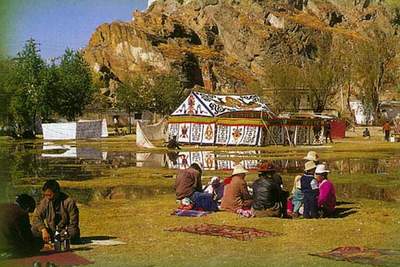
(56, 209)
(366, 134)
(188, 189)
(327, 192)
(236, 195)
(173, 143)
(309, 188)
(16, 238)
(297, 197)
(266, 193)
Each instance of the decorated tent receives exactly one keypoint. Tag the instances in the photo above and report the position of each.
(219, 119)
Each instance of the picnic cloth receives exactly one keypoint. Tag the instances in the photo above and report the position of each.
(68, 258)
(235, 232)
(190, 213)
(372, 256)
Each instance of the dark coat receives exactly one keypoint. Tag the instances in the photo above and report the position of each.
(265, 193)
(187, 182)
(45, 216)
(15, 231)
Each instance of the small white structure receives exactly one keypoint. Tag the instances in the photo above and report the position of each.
(359, 112)
(82, 129)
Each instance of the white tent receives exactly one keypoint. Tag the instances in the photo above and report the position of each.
(75, 130)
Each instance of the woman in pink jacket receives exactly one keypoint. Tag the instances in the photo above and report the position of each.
(327, 193)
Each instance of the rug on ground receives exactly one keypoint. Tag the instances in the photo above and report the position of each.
(227, 231)
(372, 256)
(59, 259)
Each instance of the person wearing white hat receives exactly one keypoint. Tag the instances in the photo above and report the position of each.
(309, 188)
(236, 195)
(327, 192)
(312, 156)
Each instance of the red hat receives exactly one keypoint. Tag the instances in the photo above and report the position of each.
(265, 166)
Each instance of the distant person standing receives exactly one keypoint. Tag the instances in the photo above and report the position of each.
(328, 131)
(173, 143)
(386, 129)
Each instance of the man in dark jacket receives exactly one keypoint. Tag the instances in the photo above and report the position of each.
(16, 239)
(266, 192)
(55, 209)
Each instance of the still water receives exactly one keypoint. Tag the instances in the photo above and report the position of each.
(31, 163)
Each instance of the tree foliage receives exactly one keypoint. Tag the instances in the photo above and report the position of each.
(31, 89)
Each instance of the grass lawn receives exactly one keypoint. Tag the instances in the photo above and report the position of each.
(134, 204)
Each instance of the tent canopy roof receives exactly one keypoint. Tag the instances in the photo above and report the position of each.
(208, 105)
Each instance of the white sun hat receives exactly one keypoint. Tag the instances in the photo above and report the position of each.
(321, 168)
(309, 165)
(238, 169)
(311, 155)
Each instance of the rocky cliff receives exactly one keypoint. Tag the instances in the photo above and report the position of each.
(224, 44)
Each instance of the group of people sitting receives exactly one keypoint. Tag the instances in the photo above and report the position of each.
(55, 211)
(312, 196)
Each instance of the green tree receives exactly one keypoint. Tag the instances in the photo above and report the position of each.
(134, 95)
(376, 69)
(25, 104)
(74, 88)
(167, 94)
(6, 92)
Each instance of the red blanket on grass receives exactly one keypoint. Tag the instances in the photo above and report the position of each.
(58, 258)
(239, 233)
(372, 256)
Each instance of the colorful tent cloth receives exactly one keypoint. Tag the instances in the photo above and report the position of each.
(372, 256)
(207, 105)
(235, 232)
(190, 213)
(59, 259)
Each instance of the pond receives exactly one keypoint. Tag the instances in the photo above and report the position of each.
(30, 163)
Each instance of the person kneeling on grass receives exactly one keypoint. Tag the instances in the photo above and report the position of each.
(327, 192)
(56, 209)
(266, 193)
(236, 195)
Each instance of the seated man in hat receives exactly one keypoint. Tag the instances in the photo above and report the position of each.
(267, 192)
(56, 209)
(16, 239)
(236, 195)
(327, 192)
(309, 188)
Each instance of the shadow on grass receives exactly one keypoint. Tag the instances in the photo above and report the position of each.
(338, 203)
(343, 212)
(89, 239)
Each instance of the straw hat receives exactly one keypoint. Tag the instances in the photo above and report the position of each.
(321, 168)
(309, 165)
(312, 156)
(239, 169)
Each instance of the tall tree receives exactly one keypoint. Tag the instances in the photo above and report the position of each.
(74, 87)
(26, 101)
(167, 94)
(376, 68)
(134, 95)
(6, 92)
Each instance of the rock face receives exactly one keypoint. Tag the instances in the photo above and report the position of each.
(224, 44)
